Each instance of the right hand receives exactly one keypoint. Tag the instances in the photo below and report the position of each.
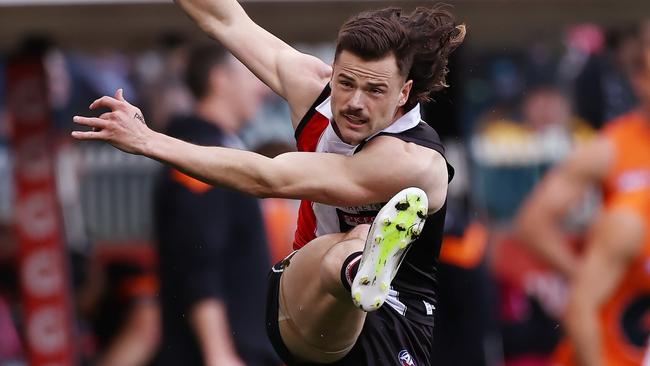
(123, 127)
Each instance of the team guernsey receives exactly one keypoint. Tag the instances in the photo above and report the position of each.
(624, 316)
(401, 330)
(629, 136)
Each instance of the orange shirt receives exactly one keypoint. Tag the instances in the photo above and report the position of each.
(630, 171)
(625, 317)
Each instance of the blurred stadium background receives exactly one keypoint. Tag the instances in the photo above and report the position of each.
(522, 94)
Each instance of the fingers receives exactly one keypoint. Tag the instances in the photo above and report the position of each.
(90, 121)
(107, 102)
(119, 95)
(87, 135)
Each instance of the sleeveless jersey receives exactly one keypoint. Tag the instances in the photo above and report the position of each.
(414, 284)
(630, 138)
(625, 317)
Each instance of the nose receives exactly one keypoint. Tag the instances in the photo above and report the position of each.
(356, 100)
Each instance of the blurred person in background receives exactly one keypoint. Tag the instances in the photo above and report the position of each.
(466, 330)
(514, 154)
(601, 89)
(159, 74)
(615, 159)
(119, 296)
(212, 314)
(547, 112)
(515, 149)
(617, 162)
(325, 303)
(606, 320)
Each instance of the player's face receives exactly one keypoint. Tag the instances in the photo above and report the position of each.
(366, 95)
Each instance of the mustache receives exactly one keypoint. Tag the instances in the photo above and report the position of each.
(354, 113)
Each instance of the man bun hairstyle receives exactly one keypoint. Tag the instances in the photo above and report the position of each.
(420, 41)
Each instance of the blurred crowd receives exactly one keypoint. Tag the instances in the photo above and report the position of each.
(137, 293)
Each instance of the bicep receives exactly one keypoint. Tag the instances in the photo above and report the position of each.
(301, 88)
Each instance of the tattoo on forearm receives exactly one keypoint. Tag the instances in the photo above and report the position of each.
(139, 117)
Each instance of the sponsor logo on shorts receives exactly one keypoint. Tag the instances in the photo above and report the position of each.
(429, 307)
(405, 358)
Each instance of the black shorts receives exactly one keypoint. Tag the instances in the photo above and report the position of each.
(387, 338)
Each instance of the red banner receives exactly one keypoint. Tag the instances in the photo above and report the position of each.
(37, 220)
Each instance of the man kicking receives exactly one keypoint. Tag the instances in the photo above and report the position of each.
(361, 143)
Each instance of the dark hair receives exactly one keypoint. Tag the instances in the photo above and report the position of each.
(640, 57)
(420, 41)
(201, 60)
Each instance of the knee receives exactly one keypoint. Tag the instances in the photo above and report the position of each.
(330, 271)
(331, 266)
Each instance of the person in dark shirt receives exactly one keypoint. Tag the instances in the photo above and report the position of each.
(212, 314)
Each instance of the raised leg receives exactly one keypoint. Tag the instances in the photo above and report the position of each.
(319, 318)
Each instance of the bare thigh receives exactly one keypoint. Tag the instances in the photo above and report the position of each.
(319, 322)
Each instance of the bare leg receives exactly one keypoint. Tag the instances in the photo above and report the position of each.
(318, 321)
(318, 318)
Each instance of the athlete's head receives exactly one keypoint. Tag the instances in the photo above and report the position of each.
(213, 73)
(387, 62)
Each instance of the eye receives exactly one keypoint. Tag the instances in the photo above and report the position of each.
(377, 91)
(345, 83)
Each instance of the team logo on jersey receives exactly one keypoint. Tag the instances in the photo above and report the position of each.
(633, 180)
(635, 321)
(349, 220)
(405, 358)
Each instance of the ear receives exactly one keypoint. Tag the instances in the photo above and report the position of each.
(405, 92)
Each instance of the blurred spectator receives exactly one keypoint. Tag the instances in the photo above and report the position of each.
(513, 154)
(159, 73)
(548, 114)
(617, 162)
(119, 297)
(466, 331)
(606, 319)
(602, 91)
(609, 161)
(212, 244)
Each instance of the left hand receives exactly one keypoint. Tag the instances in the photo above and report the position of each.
(123, 127)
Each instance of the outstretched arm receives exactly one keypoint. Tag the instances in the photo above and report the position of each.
(327, 178)
(539, 222)
(616, 240)
(297, 77)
